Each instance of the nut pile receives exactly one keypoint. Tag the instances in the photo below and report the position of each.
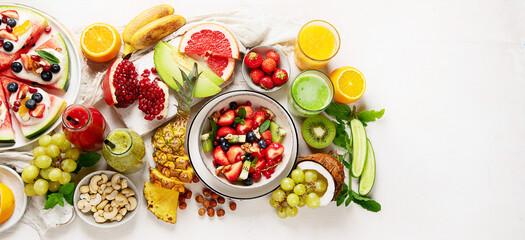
(107, 199)
(210, 202)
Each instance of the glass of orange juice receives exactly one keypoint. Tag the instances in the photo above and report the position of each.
(318, 42)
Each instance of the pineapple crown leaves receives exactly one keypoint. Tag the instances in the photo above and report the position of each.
(185, 94)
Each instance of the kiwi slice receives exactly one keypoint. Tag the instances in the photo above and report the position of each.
(277, 132)
(318, 131)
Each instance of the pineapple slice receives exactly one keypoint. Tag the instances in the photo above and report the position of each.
(171, 183)
(170, 138)
(162, 202)
(185, 176)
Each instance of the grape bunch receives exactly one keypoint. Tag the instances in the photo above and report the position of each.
(301, 188)
(54, 160)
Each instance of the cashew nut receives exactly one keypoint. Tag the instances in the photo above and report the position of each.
(96, 200)
(123, 211)
(84, 196)
(99, 217)
(117, 218)
(128, 192)
(84, 206)
(114, 204)
(121, 200)
(106, 208)
(102, 204)
(104, 179)
(132, 204)
(93, 209)
(112, 214)
(84, 189)
(93, 184)
(101, 188)
(115, 180)
(112, 195)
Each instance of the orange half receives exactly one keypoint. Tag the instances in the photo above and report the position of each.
(7, 203)
(100, 42)
(349, 84)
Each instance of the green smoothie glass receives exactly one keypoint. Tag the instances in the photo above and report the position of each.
(124, 150)
(310, 93)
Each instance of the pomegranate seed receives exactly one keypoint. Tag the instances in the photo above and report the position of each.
(217, 138)
(33, 90)
(17, 103)
(222, 111)
(1, 42)
(154, 71)
(268, 142)
(47, 29)
(4, 19)
(47, 68)
(248, 103)
(15, 109)
(9, 28)
(35, 57)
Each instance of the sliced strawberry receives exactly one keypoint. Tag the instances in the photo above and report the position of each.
(274, 150)
(22, 91)
(4, 34)
(242, 129)
(258, 165)
(26, 62)
(259, 117)
(220, 156)
(233, 173)
(234, 154)
(249, 111)
(10, 14)
(223, 131)
(226, 118)
(267, 135)
(38, 112)
(257, 151)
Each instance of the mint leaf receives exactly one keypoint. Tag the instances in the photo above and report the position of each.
(370, 116)
(338, 111)
(342, 196)
(242, 112)
(88, 159)
(239, 120)
(67, 188)
(366, 203)
(214, 128)
(53, 199)
(341, 139)
(264, 126)
(50, 58)
(348, 200)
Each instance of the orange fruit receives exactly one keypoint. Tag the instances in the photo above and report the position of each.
(7, 203)
(22, 28)
(349, 84)
(100, 42)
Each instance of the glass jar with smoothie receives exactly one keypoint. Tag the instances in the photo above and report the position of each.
(85, 127)
(318, 42)
(310, 93)
(124, 150)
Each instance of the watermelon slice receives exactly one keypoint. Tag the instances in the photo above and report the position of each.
(60, 80)
(7, 135)
(32, 122)
(24, 39)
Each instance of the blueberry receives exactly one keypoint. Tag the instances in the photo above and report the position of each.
(248, 158)
(248, 181)
(262, 143)
(16, 67)
(234, 125)
(37, 97)
(225, 146)
(30, 104)
(222, 140)
(55, 68)
(250, 137)
(8, 46)
(11, 22)
(233, 105)
(12, 87)
(46, 76)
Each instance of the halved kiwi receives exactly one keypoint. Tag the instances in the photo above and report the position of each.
(318, 131)
(277, 132)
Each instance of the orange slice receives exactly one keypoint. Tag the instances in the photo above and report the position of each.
(100, 42)
(349, 84)
(21, 29)
(7, 203)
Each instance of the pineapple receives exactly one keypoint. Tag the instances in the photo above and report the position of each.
(162, 202)
(159, 179)
(182, 175)
(170, 138)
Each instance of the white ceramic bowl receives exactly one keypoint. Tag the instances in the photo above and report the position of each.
(13, 181)
(203, 162)
(88, 217)
(263, 50)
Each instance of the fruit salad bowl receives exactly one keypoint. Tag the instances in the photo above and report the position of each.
(208, 165)
(262, 51)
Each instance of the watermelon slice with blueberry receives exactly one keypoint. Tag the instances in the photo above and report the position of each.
(7, 135)
(18, 33)
(34, 109)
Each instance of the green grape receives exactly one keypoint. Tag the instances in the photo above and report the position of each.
(292, 200)
(54, 186)
(44, 140)
(73, 153)
(30, 173)
(43, 161)
(302, 202)
(291, 211)
(29, 190)
(287, 184)
(312, 200)
(66, 177)
(298, 175)
(278, 195)
(274, 203)
(39, 151)
(68, 165)
(41, 186)
(53, 151)
(55, 174)
(281, 212)
(320, 186)
(66, 145)
(58, 139)
(44, 173)
(299, 189)
(310, 176)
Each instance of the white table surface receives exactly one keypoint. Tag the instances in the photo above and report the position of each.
(450, 155)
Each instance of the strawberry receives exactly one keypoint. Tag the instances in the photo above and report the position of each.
(38, 112)
(258, 165)
(280, 76)
(9, 14)
(248, 109)
(242, 129)
(226, 118)
(223, 131)
(273, 55)
(253, 60)
(220, 156)
(256, 75)
(4, 34)
(234, 154)
(258, 118)
(274, 150)
(266, 82)
(22, 91)
(256, 151)
(267, 135)
(26, 62)
(268, 65)
(233, 173)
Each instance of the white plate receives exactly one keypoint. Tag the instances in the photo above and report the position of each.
(11, 179)
(74, 73)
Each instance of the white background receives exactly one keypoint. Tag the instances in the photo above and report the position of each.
(450, 155)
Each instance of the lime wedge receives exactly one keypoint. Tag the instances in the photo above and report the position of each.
(368, 177)
(358, 147)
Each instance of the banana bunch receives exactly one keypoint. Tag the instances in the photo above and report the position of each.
(149, 27)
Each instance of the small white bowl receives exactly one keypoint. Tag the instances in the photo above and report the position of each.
(263, 50)
(88, 217)
(13, 181)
